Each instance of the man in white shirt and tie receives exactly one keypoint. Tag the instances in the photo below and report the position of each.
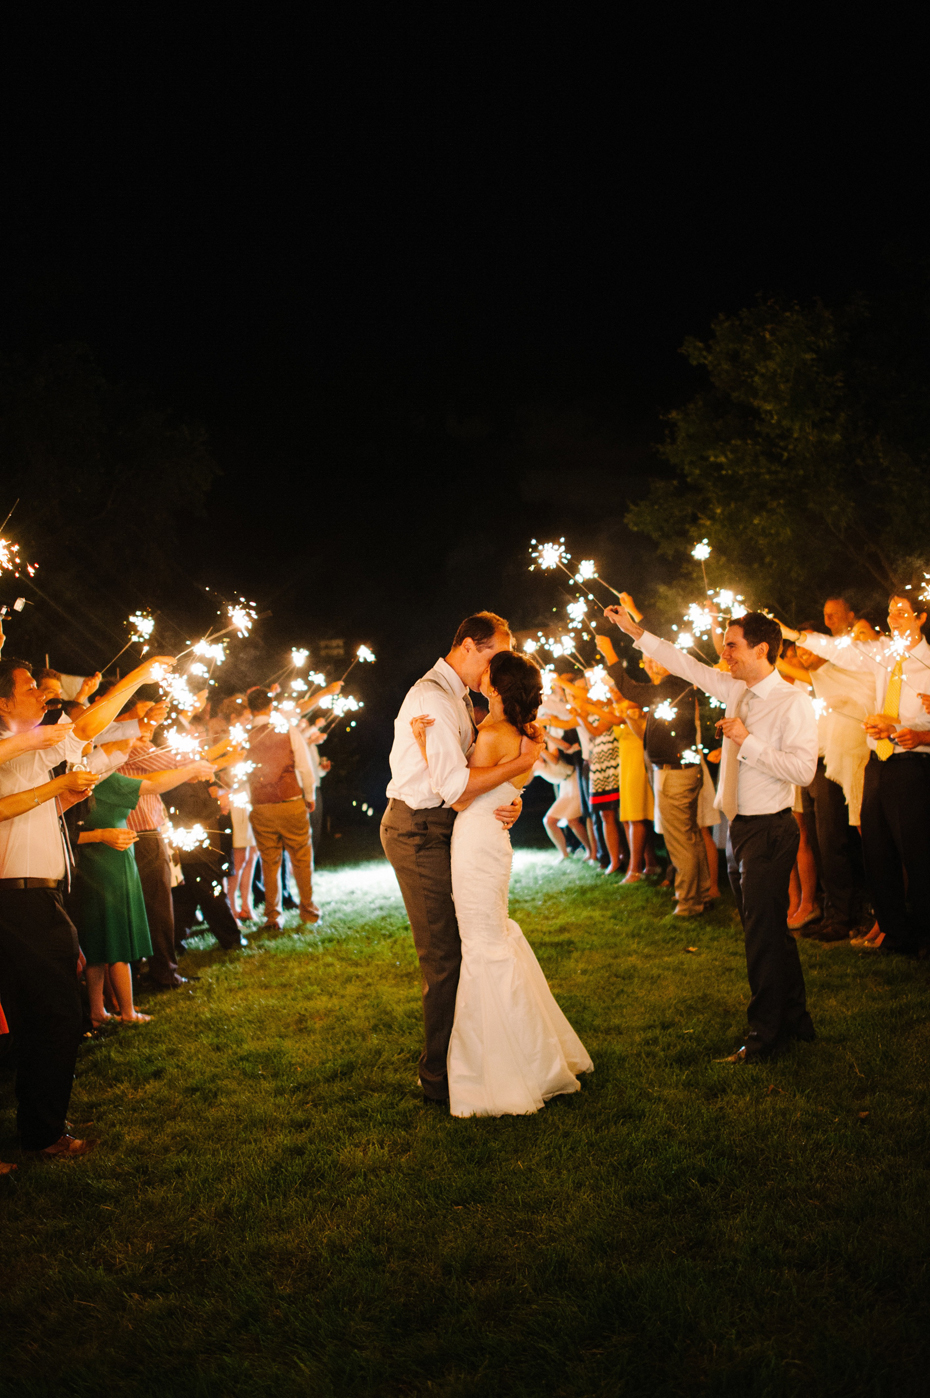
(896, 783)
(769, 747)
(416, 829)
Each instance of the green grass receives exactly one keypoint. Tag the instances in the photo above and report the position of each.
(272, 1209)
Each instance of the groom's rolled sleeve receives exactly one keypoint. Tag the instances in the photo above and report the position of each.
(448, 770)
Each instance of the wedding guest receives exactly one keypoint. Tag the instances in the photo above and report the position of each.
(113, 924)
(200, 803)
(770, 745)
(39, 951)
(669, 734)
(281, 791)
(896, 785)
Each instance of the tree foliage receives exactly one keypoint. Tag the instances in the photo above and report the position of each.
(804, 462)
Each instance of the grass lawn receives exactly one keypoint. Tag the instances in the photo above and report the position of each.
(272, 1209)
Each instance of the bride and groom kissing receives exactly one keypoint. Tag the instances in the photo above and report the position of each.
(496, 1042)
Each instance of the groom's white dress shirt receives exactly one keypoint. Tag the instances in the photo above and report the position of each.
(781, 750)
(442, 695)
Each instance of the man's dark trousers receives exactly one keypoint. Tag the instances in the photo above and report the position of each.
(761, 851)
(202, 890)
(418, 845)
(154, 865)
(824, 799)
(42, 1001)
(895, 843)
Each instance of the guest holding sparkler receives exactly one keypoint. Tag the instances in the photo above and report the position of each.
(770, 745)
(113, 925)
(670, 738)
(896, 785)
(281, 788)
(196, 810)
(39, 953)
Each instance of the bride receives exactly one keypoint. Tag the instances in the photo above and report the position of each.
(512, 1047)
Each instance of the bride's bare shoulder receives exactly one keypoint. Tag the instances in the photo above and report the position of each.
(497, 742)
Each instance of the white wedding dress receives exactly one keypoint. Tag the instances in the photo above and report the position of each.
(512, 1047)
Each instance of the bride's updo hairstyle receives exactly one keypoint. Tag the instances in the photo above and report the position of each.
(519, 684)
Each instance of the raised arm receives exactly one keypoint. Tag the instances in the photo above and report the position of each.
(706, 677)
(75, 784)
(95, 719)
(154, 783)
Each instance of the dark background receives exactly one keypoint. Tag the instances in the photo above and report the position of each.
(422, 276)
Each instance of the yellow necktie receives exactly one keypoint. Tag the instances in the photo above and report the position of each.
(885, 747)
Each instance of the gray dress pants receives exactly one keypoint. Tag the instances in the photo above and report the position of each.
(418, 845)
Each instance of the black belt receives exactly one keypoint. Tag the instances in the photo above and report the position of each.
(30, 883)
(668, 766)
(874, 757)
(764, 815)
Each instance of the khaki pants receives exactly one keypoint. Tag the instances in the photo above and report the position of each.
(279, 826)
(678, 802)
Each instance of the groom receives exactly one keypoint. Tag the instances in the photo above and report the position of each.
(416, 830)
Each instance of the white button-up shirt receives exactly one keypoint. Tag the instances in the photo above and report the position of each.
(781, 749)
(31, 844)
(441, 694)
(878, 659)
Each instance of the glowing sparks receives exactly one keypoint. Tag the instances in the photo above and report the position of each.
(242, 770)
(241, 615)
(549, 555)
(820, 707)
(199, 669)
(684, 640)
(299, 686)
(239, 798)
(665, 711)
(365, 655)
(210, 650)
(576, 611)
(314, 677)
(530, 646)
(547, 675)
(10, 561)
(299, 658)
(186, 839)
(690, 758)
(341, 704)
(699, 619)
(701, 551)
(239, 734)
(141, 624)
(586, 570)
(279, 721)
(184, 744)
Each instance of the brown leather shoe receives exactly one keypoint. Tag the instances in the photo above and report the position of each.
(66, 1147)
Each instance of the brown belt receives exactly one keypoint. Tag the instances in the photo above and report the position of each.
(30, 883)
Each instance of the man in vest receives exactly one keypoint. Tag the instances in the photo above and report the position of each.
(281, 792)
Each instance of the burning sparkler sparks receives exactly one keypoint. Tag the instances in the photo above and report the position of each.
(684, 640)
(180, 838)
(576, 612)
(241, 615)
(299, 658)
(184, 744)
(701, 550)
(142, 624)
(210, 650)
(699, 619)
(665, 711)
(363, 654)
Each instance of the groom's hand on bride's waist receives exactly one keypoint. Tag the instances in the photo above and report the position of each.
(508, 814)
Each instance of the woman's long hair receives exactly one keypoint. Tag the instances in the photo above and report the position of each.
(519, 684)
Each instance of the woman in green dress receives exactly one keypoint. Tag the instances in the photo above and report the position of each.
(113, 926)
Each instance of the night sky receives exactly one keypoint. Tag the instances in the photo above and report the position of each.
(424, 274)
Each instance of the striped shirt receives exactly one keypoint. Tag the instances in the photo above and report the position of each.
(144, 758)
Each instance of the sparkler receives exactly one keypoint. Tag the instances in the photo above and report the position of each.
(299, 658)
(665, 711)
(194, 838)
(10, 561)
(690, 758)
(141, 625)
(701, 552)
(363, 654)
(598, 692)
(299, 686)
(184, 744)
(241, 614)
